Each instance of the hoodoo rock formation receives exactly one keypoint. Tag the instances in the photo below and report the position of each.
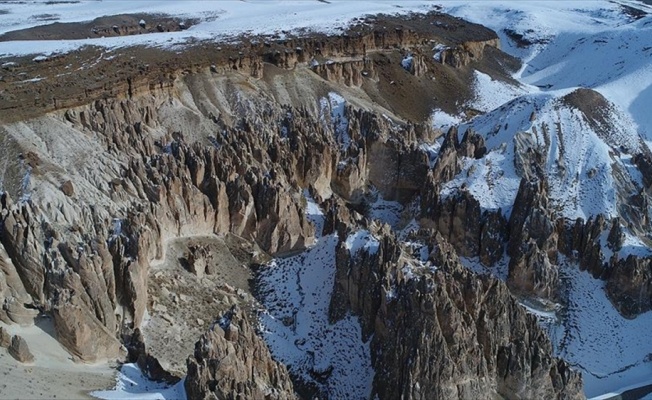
(134, 208)
(448, 332)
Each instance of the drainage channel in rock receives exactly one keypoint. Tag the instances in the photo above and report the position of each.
(324, 359)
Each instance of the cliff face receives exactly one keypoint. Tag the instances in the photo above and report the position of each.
(343, 58)
(536, 235)
(445, 331)
(226, 146)
(85, 256)
(231, 361)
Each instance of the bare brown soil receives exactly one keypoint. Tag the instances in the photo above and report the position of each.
(183, 305)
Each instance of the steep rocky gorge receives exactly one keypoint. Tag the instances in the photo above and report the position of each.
(457, 335)
(98, 187)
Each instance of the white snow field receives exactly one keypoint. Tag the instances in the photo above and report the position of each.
(131, 384)
(296, 292)
(218, 20)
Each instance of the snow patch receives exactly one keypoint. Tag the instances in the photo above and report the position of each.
(362, 240)
(131, 384)
(296, 292)
(491, 93)
(335, 108)
(432, 151)
(407, 62)
(385, 211)
(314, 214)
(439, 49)
(444, 121)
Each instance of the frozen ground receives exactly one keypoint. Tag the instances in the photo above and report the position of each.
(296, 292)
(218, 20)
(131, 384)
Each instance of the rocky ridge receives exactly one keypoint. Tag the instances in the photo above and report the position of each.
(535, 235)
(226, 146)
(451, 333)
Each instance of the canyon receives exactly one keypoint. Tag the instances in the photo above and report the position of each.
(284, 216)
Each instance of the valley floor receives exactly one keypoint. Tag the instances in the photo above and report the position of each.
(53, 375)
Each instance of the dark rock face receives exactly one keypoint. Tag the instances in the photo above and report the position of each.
(447, 334)
(232, 362)
(532, 242)
(629, 286)
(68, 189)
(458, 217)
(19, 350)
(457, 220)
(492, 237)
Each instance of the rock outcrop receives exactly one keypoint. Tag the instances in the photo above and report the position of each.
(13, 295)
(448, 332)
(19, 350)
(532, 242)
(5, 338)
(629, 287)
(232, 362)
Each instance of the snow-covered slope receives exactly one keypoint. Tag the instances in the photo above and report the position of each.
(601, 45)
(612, 351)
(587, 141)
(296, 292)
(574, 45)
(581, 161)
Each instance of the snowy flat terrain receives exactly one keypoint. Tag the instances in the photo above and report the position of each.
(218, 20)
